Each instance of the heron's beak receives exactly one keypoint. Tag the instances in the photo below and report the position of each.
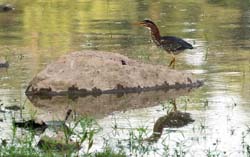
(139, 24)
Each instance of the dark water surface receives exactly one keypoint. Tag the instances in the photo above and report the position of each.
(38, 32)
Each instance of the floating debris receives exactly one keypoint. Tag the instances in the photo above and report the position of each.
(6, 7)
(32, 125)
(4, 63)
(14, 108)
(41, 126)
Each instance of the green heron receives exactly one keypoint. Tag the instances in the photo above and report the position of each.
(171, 44)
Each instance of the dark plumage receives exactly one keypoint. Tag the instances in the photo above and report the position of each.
(171, 44)
(174, 44)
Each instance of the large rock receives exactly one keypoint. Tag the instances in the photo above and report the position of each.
(91, 72)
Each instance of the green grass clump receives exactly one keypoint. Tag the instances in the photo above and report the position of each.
(108, 152)
(50, 144)
(14, 151)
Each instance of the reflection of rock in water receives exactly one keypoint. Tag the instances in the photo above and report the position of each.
(171, 120)
(99, 106)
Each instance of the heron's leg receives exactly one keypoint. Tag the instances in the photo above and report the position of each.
(172, 63)
(173, 101)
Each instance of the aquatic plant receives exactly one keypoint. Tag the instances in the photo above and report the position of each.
(108, 152)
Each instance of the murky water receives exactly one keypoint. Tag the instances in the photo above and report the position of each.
(38, 32)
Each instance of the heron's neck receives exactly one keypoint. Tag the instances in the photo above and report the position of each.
(155, 34)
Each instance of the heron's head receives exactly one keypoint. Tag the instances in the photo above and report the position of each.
(147, 23)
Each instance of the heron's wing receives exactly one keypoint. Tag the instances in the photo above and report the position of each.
(171, 43)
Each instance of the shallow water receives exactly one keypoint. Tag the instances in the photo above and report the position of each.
(38, 32)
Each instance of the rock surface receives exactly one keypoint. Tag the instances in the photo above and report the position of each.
(98, 72)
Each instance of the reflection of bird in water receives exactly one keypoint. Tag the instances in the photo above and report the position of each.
(171, 44)
(173, 102)
(174, 119)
